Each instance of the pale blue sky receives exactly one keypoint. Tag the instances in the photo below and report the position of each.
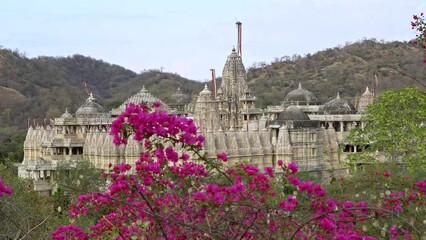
(190, 37)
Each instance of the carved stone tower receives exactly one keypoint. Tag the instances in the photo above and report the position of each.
(232, 92)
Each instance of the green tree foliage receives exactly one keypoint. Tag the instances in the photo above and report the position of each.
(370, 184)
(75, 178)
(27, 215)
(24, 214)
(12, 144)
(394, 127)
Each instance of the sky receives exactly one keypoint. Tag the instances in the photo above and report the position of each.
(191, 37)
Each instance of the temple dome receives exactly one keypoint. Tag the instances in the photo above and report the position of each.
(90, 108)
(205, 91)
(366, 99)
(178, 98)
(178, 102)
(66, 114)
(143, 96)
(338, 106)
(292, 113)
(301, 96)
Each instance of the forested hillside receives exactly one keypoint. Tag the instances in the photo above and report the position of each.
(43, 87)
(347, 70)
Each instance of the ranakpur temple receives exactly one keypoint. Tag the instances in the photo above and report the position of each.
(301, 129)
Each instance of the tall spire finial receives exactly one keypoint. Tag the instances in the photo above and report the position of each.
(300, 85)
(240, 31)
(338, 95)
(214, 82)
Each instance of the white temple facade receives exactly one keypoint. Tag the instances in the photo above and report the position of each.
(300, 130)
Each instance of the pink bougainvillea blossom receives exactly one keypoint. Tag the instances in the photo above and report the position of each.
(174, 192)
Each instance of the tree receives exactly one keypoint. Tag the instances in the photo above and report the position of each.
(26, 215)
(395, 127)
(12, 146)
(73, 179)
(419, 24)
(23, 214)
(177, 193)
(378, 184)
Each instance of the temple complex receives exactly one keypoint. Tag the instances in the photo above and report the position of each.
(300, 129)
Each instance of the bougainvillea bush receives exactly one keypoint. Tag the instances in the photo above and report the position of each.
(174, 192)
(4, 189)
(419, 24)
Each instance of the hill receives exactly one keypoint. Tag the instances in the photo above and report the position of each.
(48, 85)
(347, 70)
(43, 87)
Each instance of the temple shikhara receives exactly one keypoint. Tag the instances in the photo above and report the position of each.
(301, 129)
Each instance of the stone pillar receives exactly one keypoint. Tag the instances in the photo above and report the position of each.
(274, 138)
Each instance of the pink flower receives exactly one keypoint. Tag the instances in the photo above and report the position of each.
(4, 189)
(280, 162)
(293, 167)
(156, 104)
(184, 156)
(69, 232)
(171, 154)
(295, 181)
(201, 196)
(223, 156)
(289, 204)
(250, 169)
(219, 198)
(387, 173)
(269, 171)
(398, 208)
